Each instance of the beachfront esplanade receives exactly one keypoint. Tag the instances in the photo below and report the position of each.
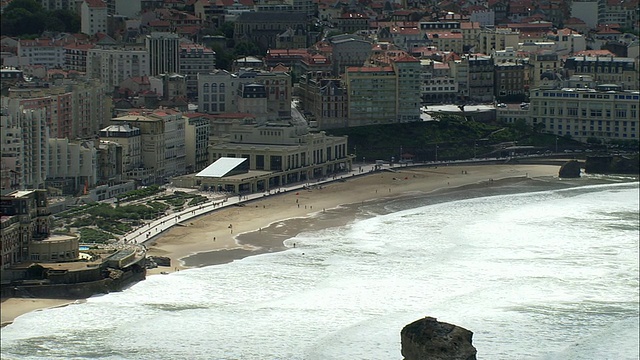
(276, 154)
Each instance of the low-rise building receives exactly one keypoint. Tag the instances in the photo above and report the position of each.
(261, 158)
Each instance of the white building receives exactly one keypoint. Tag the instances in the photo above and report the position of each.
(46, 52)
(112, 66)
(584, 111)
(567, 41)
(29, 154)
(196, 141)
(484, 18)
(162, 134)
(219, 91)
(75, 160)
(131, 141)
(93, 17)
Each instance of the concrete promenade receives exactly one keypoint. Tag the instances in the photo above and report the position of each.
(149, 231)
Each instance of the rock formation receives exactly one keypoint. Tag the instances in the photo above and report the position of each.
(430, 339)
(571, 169)
(614, 164)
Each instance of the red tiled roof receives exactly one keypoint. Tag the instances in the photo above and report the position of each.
(96, 3)
(407, 59)
(370, 69)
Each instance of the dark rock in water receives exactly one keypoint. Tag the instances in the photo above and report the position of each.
(613, 164)
(160, 260)
(430, 339)
(571, 169)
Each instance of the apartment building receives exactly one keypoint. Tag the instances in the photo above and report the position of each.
(606, 69)
(408, 79)
(371, 95)
(583, 110)
(164, 52)
(447, 40)
(496, 39)
(624, 13)
(348, 50)
(162, 137)
(219, 91)
(195, 59)
(567, 41)
(510, 81)
(75, 108)
(196, 134)
(474, 74)
(438, 86)
(46, 52)
(25, 143)
(73, 165)
(545, 65)
(130, 139)
(325, 99)
(384, 94)
(93, 17)
(113, 65)
(75, 57)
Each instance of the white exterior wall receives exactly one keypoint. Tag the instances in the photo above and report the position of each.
(48, 56)
(32, 127)
(224, 104)
(93, 19)
(112, 66)
(584, 113)
(73, 160)
(175, 152)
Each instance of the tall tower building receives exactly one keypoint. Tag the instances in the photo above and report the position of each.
(164, 52)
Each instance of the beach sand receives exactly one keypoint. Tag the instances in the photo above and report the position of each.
(239, 231)
(255, 227)
(14, 307)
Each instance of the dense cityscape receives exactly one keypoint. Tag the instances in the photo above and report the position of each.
(107, 105)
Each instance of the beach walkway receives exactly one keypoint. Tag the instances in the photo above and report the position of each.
(148, 232)
(155, 228)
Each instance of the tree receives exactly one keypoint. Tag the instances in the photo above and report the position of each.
(27, 17)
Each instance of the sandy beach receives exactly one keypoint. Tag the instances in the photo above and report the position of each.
(255, 227)
(239, 231)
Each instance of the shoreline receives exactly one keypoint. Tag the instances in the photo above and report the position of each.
(262, 225)
(236, 232)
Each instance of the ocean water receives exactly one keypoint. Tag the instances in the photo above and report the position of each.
(540, 275)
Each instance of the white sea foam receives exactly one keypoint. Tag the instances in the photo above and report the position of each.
(545, 275)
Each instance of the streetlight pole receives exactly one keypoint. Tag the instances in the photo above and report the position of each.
(556, 144)
(436, 152)
(475, 144)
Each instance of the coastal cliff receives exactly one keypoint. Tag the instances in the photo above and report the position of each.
(430, 339)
